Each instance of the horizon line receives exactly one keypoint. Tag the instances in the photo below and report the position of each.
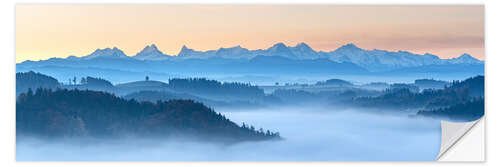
(297, 44)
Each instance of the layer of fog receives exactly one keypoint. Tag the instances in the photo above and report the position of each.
(120, 76)
(268, 80)
(311, 134)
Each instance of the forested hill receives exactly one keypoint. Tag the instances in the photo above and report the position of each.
(34, 80)
(458, 92)
(473, 85)
(468, 111)
(73, 113)
(91, 83)
(206, 86)
(26, 80)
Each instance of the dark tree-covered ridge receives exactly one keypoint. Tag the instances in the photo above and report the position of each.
(458, 92)
(399, 86)
(26, 80)
(335, 82)
(206, 86)
(430, 83)
(91, 81)
(63, 113)
(468, 111)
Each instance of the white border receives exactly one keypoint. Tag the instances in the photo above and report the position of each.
(7, 63)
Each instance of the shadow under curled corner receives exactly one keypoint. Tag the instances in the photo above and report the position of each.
(454, 132)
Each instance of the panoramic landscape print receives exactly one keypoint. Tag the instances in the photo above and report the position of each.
(245, 82)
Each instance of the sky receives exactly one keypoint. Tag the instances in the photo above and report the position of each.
(46, 31)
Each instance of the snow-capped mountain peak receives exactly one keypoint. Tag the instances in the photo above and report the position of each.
(348, 47)
(151, 48)
(232, 52)
(107, 53)
(191, 53)
(430, 55)
(151, 52)
(279, 47)
(184, 47)
(185, 51)
(303, 46)
(373, 60)
(465, 59)
(466, 56)
(376, 60)
(304, 51)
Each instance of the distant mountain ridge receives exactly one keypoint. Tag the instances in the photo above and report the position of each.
(113, 53)
(372, 60)
(379, 60)
(151, 52)
(298, 52)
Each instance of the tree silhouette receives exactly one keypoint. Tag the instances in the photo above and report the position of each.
(404, 98)
(76, 112)
(468, 111)
(32, 80)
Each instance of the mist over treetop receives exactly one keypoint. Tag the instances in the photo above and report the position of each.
(78, 113)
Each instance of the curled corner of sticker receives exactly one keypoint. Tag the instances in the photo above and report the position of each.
(452, 132)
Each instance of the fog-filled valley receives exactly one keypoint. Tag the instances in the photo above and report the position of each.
(310, 134)
(199, 119)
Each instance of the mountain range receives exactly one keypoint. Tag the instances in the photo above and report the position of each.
(372, 60)
(278, 60)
